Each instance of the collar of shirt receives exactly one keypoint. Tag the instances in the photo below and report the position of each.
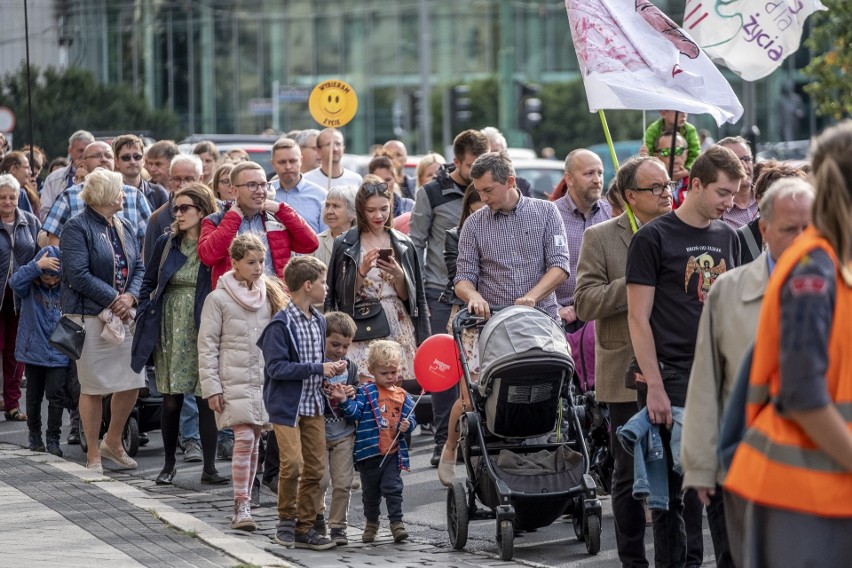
(300, 185)
(296, 311)
(519, 206)
(572, 207)
(770, 261)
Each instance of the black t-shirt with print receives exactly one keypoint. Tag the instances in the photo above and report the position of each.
(681, 262)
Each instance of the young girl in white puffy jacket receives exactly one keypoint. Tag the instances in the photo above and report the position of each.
(231, 364)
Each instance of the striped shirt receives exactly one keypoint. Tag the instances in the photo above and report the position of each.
(136, 210)
(311, 350)
(737, 216)
(504, 255)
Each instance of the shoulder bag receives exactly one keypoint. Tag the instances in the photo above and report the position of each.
(68, 337)
(370, 320)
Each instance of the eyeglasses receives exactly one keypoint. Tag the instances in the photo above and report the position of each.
(666, 152)
(253, 186)
(375, 187)
(128, 157)
(182, 209)
(188, 179)
(658, 189)
(99, 156)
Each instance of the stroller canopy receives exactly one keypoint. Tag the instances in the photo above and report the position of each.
(517, 332)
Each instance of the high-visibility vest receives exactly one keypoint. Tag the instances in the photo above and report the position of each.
(776, 464)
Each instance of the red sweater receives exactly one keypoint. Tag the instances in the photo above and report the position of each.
(286, 233)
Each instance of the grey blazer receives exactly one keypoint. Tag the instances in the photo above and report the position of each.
(601, 295)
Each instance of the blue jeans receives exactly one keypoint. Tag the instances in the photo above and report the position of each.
(189, 420)
(381, 482)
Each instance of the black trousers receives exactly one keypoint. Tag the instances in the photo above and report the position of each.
(378, 482)
(442, 402)
(628, 513)
(46, 382)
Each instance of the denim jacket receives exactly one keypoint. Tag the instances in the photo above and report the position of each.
(642, 440)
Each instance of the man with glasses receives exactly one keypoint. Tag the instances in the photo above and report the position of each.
(675, 162)
(330, 144)
(601, 295)
(128, 152)
(183, 170)
(671, 266)
(277, 225)
(96, 155)
(744, 210)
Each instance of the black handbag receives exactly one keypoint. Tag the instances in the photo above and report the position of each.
(370, 320)
(68, 338)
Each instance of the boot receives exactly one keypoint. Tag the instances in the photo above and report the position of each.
(370, 531)
(53, 446)
(36, 443)
(398, 530)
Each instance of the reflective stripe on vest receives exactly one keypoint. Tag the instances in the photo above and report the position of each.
(777, 465)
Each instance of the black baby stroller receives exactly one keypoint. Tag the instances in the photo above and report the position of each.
(523, 480)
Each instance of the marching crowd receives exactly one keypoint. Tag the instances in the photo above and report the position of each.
(279, 319)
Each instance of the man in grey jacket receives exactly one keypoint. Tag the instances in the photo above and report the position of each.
(727, 328)
(437, 208)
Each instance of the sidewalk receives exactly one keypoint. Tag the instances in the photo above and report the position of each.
(57, 513)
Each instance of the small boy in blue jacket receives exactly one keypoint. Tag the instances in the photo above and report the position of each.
(384, 412)
(37, 285)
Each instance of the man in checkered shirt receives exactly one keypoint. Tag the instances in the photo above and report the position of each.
(136, 208)
(514, 250)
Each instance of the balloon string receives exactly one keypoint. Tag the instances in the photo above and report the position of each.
(395, 438)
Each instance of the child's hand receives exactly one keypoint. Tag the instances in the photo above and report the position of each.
(338, 391)
(48, 263)
(333, 368)
(216, 403)
(350, 391)
(404, 424)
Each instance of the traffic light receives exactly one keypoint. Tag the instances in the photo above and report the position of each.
(529, 108)
(460, 103)
(415, 110)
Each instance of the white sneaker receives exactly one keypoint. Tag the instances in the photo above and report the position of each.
(242, 517)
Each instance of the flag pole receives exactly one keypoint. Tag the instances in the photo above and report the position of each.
(634, 227)
(395, 438)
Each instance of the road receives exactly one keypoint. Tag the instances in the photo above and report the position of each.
(425, 508)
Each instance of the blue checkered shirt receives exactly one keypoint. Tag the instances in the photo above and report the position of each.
(307, 198)
(504, 255)
(136, 209)
(575, 224)
(311, 341)
(256, 225)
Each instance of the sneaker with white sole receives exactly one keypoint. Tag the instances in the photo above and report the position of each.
(242, 517)
(285, 532)
(314, 541)
(192, 452)
(338, 535)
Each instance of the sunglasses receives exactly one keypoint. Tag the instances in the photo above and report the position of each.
(375, 187)
(128, 157)
(666, 152)
(182, 209)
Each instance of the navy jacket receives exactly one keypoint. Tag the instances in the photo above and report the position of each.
(88, 263)
(166, 260)
(284, 371)
(18, 248)
(39, 316)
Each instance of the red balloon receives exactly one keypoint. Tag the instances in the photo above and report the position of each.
(436, 363)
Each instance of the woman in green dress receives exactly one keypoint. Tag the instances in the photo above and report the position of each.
(173, 292)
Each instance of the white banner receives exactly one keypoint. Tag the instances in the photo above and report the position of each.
(750, 37)
(632, 56)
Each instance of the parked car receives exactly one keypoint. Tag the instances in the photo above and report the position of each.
(258, 147)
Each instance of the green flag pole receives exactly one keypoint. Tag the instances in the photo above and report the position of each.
(627, 208)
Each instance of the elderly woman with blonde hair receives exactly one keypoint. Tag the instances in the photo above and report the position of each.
(100, 288)
(338, 214)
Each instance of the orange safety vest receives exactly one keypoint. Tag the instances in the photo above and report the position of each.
(776, 464)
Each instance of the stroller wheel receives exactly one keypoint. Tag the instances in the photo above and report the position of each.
(457, 515)
(593, 533)
(130, 436)
(506, 539)
(577, 522)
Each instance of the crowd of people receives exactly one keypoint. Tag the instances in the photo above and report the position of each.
(278, 319)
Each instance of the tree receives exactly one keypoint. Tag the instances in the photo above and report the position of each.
(831, 43)
(64, 101)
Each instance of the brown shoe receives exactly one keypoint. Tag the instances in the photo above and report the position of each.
(399, 532)
(370, 531)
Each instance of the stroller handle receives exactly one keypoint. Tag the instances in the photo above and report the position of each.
(465, 319)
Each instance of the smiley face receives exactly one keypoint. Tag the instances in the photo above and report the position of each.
(333, 101)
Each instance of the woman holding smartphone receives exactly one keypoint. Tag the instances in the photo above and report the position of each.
(372, 262)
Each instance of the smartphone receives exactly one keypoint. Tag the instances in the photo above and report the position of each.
(385, 254)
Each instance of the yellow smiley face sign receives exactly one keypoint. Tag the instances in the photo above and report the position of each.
(333, 103)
